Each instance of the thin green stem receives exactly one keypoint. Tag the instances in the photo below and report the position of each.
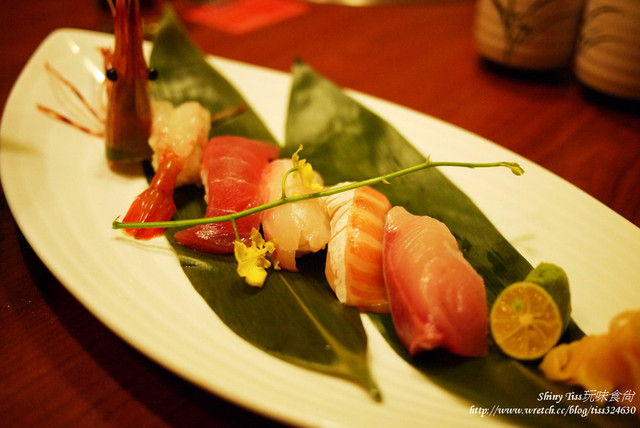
(514, 167)
(284, 182)
(235, 229)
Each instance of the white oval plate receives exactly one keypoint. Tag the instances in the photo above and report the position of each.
(64, 199)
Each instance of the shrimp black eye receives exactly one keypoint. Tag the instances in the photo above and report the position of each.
(112, 74)
(153, 74)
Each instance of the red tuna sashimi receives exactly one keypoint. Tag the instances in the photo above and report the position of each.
(354, 252)
(437, 299)
(231, 171)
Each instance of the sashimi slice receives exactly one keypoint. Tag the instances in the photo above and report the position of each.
(180, 132)
(354, 253)
(231, 171)
(297, 228)
(156, 202)
(178, 135)
(437, 299)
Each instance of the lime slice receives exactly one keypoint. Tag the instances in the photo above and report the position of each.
(554, 280)
(525, 321)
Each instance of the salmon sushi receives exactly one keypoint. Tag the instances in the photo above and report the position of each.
(436, 297)
(354, 253)
(231, 171)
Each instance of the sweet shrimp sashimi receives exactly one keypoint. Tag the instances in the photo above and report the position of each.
(437, 299)
(354, 253)
(178, 137)
(297, 228)
(231, 171)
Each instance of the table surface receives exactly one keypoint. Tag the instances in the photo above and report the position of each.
(61, 366)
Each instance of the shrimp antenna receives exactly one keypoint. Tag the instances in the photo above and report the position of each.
(112, 7)
(80, 97)
(54, 114)
(75, 91)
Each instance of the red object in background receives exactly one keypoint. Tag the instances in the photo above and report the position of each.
(243, 16)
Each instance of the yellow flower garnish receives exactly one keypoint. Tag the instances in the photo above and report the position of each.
(252, 261)
(305, 171)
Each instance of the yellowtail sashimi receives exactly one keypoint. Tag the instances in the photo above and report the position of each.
(437, 299)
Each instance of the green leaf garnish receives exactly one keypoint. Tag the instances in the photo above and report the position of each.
(185, 75)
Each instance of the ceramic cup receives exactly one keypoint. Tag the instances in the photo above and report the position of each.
(608, 52)
(528, 34)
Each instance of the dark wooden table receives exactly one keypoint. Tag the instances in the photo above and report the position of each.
(61, 367)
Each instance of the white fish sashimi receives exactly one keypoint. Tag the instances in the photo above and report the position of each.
(297, 228)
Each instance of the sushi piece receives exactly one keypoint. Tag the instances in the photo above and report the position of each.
(297, 228)
(354, 252)
(231, 171)
(437, 299)
(606, 362)
(178, 135)
(181, 131)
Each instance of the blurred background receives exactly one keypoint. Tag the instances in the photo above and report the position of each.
(63, 367)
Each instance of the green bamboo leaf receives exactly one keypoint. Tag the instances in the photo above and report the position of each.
(294, 316)
(346, 141)
(185, 75)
